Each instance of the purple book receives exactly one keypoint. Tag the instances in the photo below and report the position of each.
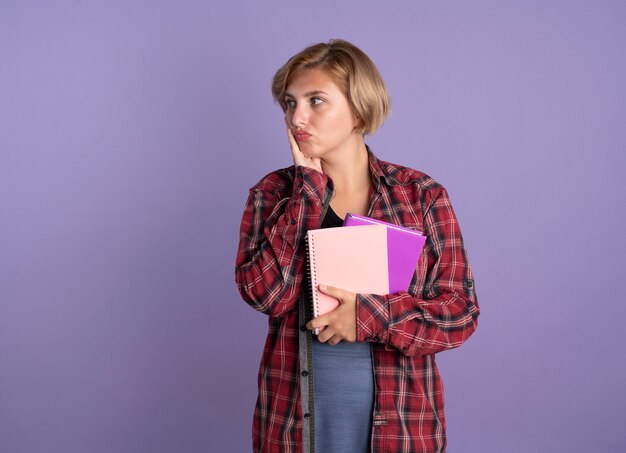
(404, 247)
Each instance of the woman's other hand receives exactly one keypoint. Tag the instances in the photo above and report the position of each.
(298, 156)
(339, 324)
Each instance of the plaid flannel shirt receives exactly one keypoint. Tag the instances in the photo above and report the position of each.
(438, 312)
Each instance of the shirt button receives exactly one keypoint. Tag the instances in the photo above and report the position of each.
(293, 221)
(303, 327)
(305, 373)
(307, 415)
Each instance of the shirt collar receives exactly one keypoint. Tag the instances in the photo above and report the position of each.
(376, 171)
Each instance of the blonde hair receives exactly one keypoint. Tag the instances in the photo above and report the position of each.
(353, 72)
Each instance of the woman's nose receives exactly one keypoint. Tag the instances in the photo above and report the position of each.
(299, 116)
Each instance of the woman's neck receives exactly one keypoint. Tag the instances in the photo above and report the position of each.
(349, 168)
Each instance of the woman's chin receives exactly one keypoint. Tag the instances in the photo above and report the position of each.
(309, 152)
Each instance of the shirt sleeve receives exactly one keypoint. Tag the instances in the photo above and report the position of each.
(444, 314)
(271, 257)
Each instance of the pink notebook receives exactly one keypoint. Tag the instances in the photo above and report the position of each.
(353, 258)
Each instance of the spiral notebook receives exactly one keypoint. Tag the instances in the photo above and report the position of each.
(354, 259)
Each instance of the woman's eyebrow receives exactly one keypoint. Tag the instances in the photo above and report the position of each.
(314, 92)
(307, 94)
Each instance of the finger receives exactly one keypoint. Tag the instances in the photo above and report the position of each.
(337, 293)
(320, 321)
(293, 144)
(326, 335)
(334, 339)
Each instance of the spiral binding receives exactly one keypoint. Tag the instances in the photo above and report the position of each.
(311, 275)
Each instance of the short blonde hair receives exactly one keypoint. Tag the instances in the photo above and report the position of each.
(353, 72)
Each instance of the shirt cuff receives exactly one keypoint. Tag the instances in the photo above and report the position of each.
(305, 204)
(372, 318)
(310, 182)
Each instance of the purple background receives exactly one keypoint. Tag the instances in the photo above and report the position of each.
(132, 130)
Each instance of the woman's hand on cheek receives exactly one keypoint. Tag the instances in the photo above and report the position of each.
(298, 156)
(339, 324)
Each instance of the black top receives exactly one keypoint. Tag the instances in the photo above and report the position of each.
(331, 219)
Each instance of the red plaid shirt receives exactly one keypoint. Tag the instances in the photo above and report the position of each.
(438, 312)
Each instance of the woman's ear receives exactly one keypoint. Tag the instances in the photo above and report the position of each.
(358, 123)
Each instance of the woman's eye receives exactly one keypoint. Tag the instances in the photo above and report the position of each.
(316, 101)
(290, 103)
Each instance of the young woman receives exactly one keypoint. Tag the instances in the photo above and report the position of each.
(368, 381)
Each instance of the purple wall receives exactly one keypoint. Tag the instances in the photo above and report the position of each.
(131, 132)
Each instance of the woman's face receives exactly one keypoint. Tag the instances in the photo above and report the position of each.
(319, 115)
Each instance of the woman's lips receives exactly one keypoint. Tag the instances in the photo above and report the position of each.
(302, 136)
